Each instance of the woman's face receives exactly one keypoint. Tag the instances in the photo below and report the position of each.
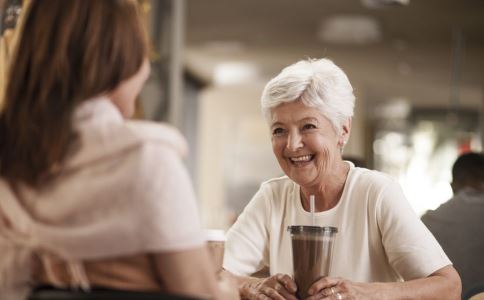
(305, 142)
(124, 96)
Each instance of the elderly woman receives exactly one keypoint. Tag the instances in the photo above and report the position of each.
(382, 250)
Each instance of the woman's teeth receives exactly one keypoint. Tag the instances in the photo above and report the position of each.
(303, 158)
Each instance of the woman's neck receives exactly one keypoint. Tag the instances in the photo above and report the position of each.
(326, 194)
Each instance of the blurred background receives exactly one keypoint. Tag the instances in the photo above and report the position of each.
(416, 67)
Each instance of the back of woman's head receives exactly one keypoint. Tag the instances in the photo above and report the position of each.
(317, 83)
(69, 51)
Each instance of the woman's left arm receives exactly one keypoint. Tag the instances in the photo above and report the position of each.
(441, 285)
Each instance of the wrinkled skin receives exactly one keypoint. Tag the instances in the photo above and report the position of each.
(277, 287)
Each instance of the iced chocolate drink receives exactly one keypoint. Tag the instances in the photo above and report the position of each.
(312, 248)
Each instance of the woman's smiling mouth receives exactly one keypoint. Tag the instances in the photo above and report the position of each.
(301, 160)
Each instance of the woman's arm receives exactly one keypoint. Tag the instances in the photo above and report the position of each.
(190, 272)
(441, 285)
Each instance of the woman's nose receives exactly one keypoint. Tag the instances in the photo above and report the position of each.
(294, 141)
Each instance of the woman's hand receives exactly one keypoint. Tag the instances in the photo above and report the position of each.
(278, 287)
(328, 288)
(442, 284)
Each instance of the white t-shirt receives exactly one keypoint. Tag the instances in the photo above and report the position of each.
(379, 238)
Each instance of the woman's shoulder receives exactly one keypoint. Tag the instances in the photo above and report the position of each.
(372, 179)
(158, 135)
(278, 183)
(158, 149)
(278, 189)
(128, 139)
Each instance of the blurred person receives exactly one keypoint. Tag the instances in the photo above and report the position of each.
(382, 250)
(458, 224)
(87, 198)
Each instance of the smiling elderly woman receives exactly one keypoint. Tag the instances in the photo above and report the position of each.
(383, 250)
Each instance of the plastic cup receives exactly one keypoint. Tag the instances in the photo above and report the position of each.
(216, 246)
(312, 249)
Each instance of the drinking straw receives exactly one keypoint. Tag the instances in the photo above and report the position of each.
(311, 208)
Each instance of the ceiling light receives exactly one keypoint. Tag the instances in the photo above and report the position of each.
(384, 3)
(228, 73)
(350, 29)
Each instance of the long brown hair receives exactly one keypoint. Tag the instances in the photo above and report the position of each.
(69, 51)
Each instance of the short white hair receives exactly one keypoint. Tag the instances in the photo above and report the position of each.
(317, 83)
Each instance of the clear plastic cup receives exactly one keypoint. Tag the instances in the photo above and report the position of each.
(216, 246)
(312, 250)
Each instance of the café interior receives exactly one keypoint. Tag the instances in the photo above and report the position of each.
(415, 66)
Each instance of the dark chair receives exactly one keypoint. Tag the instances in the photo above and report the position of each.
(49, 293)
(477, 292)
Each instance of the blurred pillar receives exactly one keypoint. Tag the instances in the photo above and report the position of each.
(175, 95)
(481, 117)
(356, 144)
(162, 96)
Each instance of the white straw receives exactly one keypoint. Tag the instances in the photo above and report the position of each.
(311, 207)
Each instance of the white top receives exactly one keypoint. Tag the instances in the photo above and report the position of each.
(379, 238)
(124, 191)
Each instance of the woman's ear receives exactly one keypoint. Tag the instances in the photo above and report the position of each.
(345, 132)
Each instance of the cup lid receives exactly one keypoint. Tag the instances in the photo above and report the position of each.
(311, 229)
(215, 235)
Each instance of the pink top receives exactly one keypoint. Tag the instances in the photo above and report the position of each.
(124, 191)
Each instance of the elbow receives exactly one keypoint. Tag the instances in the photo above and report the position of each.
(457, 288)
(448, 284)
(453, 284)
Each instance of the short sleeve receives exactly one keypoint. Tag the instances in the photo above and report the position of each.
(246, 247)
(412, 250)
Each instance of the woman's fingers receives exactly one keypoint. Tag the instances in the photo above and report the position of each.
(276, 287)
(285, 286)
(324, 295)
(281, 289)
(331, 289)
(273, 294)
(287, 282)
(262, 297)
(323, 285)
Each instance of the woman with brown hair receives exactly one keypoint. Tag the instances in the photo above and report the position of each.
(89, 199)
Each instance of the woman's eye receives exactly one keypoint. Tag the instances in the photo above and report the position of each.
(309, 126)
(277, 131)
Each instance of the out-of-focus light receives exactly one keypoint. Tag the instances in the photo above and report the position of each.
(394, 108)
(378, 146)
(350, 29)
(384, 3)
(394, 139)
(224, 47)
(441, 193)
(229, 73)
